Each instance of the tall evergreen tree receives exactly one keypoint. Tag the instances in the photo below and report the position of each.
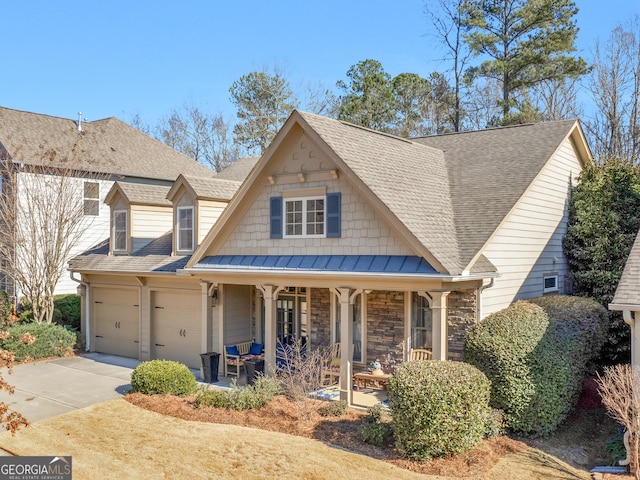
(264, 101)
(526, 42)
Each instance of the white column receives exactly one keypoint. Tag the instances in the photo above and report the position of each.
(439, 324)
(270, 294)
(346, 341)
(630, 319)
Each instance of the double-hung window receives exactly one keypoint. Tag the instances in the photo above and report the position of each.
(91, 197)
(304, 217)
(120, 231)
(185, 228)
(314, 216)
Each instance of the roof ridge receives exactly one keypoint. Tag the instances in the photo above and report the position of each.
(492, 129)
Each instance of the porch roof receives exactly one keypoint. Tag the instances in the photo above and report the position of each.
(393, 264)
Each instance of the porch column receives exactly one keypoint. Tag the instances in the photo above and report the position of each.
(346, 341)
(206, 290)
(270, 295)
(439, 324)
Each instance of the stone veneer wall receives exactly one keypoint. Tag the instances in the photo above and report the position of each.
(385, 325)
(462, 316)
(320, 317)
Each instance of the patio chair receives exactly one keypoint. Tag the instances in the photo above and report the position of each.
(420, 354)
(331, 371)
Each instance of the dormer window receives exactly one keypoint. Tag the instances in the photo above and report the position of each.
(185, 229)
(120, 231)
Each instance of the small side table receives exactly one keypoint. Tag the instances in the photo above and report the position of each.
(364, 380)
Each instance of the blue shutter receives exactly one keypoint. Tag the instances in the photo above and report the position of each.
(334, 214)
(276, 217)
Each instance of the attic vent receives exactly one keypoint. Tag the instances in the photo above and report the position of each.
(79, 121)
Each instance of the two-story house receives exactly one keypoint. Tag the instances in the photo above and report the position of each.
(94, 154)
(341, 234)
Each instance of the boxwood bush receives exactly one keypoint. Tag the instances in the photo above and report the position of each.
(37, 340)
(536, 354)
(163, 377)
(438, 407)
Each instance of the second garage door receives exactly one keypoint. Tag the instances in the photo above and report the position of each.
(117, 321)
(176, 326)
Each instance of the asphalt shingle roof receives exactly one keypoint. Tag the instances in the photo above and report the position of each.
(103, 146)
(145, 194)
(628, 291)
(238, 170)
(213, 188)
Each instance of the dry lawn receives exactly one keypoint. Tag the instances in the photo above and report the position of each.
(117, 439)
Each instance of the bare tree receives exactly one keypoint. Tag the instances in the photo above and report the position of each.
(557, 99)
(614, 84)
(202, 136)
(449, 21)
(481, 104)
(620, 392)
(42, 218)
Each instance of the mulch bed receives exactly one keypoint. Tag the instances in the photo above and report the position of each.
(283, 416)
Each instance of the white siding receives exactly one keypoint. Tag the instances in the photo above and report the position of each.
(149, 223)
(208, 214)
(95, 228)
(528, 245)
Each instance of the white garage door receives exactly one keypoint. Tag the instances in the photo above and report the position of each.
(116, 321)
(176, 326)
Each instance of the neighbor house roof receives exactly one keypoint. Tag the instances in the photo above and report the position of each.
(103, 146)
(628, 291)
(238, 170)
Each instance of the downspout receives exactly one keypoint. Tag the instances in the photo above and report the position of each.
(480, 290)
(87, 335)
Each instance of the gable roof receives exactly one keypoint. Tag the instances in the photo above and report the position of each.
(489, 171)
(212, 188)
(103, 146)
(446, 195)
(628, 290)
(140, 194)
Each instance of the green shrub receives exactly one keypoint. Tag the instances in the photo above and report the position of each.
(38, 340)
(438, 407)
(333, 409)
(67, 310)
(494, 424)
(377, 414)
(377, 434)
(241, 398)
(163, 377)
(212, 398)
(535, 355)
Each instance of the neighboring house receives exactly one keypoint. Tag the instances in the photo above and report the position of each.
(343, 234)
(100, 152)
(627, 299)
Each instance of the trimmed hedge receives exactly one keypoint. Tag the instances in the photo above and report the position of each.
(37, 340)
(163, 377)
(438, 407)
(66, 310)
(536, 354)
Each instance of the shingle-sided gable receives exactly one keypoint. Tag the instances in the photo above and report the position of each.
(105, 146)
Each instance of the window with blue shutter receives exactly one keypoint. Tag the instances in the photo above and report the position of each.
(334, 214)
(276, 217)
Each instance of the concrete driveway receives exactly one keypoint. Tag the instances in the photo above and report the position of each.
(48, 388)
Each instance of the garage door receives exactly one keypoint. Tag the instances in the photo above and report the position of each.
(116, 321)
(176, 326)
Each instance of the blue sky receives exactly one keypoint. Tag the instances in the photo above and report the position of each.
(121, 58)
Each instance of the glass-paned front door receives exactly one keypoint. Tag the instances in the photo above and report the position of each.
(421, 323)
(285, 320)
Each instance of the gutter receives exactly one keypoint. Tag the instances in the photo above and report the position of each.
(87, 313)
(480, 290)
